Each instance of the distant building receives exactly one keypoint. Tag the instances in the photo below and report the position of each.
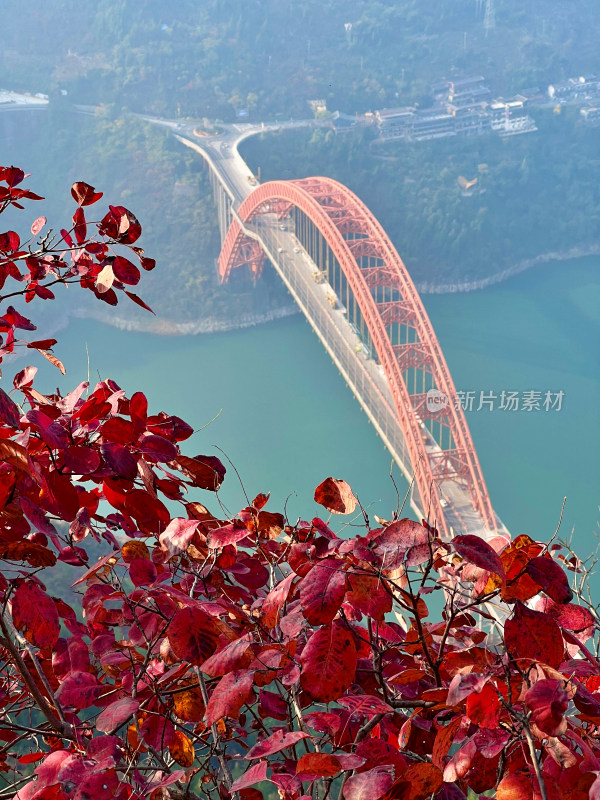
(462, 107)
(395, 123)
(427, 124)
(509, 117)
(585, 87)
(461, 92)
(469, 121)
(468, 92)
(318, 106)
(591, 115)
(530, 95)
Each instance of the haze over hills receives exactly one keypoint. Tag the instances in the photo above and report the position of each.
(535, 194)
(213, 58)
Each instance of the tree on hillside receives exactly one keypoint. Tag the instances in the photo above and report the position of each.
(252, 657)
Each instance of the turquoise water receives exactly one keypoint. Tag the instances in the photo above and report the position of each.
(538, 331)
(286, 419)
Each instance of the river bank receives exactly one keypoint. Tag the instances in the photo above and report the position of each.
(213, 324)
(167, 327)
(509, 272)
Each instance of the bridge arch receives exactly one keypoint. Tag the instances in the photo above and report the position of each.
(386, 296)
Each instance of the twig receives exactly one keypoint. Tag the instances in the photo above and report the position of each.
(216, 739)
(536, 766)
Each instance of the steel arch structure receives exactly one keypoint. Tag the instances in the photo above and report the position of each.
(354, 235)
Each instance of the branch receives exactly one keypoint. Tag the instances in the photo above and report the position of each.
(536, 766)
(413, 703)
(63, 729)
(362, 734)
(216, 739)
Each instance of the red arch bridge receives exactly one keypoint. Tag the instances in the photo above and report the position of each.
(348, 279)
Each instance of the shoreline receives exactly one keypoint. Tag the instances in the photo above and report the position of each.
(165, 327)
(521, 266)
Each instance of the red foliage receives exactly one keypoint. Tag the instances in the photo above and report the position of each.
(209, 657)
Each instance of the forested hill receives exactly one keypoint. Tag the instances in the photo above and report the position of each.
(213, 58)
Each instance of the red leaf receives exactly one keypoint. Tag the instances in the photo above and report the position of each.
(322, 591)
(116, 714)
(35, 615)
(81, 460)
(533, 636)
(275, 600)
(483, 708)
(365, 704)
(278, 741)
(260, 500)
(120, 460)
(121, 225)
(207, 472)
(552, 579)
(60, 496)
(228, 534)
(178, 534)
(84, 194)
(571, 617)
(53, 434)
(79, 690)
(516, 786)
(37, 225)
(229, 695)
(462, 686)
(548, 702)
(125, 271)
(479, 552)
(368, 594)
(157, 731)
(42, 344)
(322, 764)
(235, 655)
(9, 411)
(30, 758)
(336, 496)
(138, 301)
(17, 320)
(370, 785)
(142, 572)
(379, 753)
(328, 662)
(79, 226)
(11, 175)
(256, 774)
(419, 782)
(394, 543)
(460, 762)
(9, 242)
(147, 263)
(193, 635)
(24, 377)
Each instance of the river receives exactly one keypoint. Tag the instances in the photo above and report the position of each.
(270, 398)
